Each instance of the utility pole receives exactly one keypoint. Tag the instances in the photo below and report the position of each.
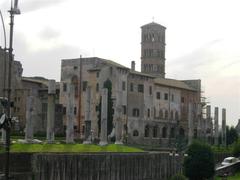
(13, 11)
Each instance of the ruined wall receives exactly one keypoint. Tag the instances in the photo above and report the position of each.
(102, 166)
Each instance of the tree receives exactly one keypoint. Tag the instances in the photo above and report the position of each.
(199, 164)
(232, 135)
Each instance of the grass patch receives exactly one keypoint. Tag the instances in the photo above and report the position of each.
(69, 148)
(234, 177)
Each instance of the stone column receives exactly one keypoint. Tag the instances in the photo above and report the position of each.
(216, 134)
(190, 123)
(104, 112)
(224, 138)
(3, 138)
(51, 111)
(118, 130)
(29, 119)
(70, 114)
(88, 133)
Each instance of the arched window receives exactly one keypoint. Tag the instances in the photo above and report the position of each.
(172, 133)
(164, 132)
(135, 133)
(146, 131)
(171, 116)
(148, 113)
(176, 116)
(166, 114)
(181, 132)
(161, 114)
(155, 131)
(195, 133)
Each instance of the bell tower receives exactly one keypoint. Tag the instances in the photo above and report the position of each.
(153, 49)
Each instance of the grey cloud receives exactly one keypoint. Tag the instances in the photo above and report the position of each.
(44, 62)
(195, 63)
(49, 33)
(31, 5)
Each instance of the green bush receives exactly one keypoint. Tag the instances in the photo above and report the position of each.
(199, 164)
(236, 149)
(178, 177)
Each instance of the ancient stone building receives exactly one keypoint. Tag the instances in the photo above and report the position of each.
(149, 109)
(152, 110)
(37, 87)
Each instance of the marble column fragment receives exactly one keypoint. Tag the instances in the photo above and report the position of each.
(70, 114)
(104, 112)
(29, 119)
(224, 138)
(118, 130)
(88, 133)
(216, 133)
(190, 123)
(51, 111)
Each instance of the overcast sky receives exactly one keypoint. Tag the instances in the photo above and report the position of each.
(202, 39)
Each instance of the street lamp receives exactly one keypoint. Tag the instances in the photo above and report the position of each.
(13, 11)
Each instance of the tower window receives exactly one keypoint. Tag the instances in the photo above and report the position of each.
(135, 112)
(158, 95)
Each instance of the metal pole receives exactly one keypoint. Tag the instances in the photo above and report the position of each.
(8, 130)
(5, 55)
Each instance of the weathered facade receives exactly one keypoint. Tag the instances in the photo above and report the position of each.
(149, 109)
(16, 73)
(38, 89)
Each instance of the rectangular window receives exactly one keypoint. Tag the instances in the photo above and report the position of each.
(158, 95)
(64, 110)
(148, 113)
(97, 74)
(85, 85)
(97, 87)
(182, 99)
(150, 90)
(75, 67)
(131, 87)
(64, 87)
(140, 88)
(75, 110)
(166, 96)
(172, 97)
(124, 110)
(123, 85)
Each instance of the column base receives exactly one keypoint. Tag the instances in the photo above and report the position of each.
(87, 142)
(119, 142)
(103, 143)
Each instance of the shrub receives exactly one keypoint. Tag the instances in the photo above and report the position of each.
(236, 149)
(199, 164)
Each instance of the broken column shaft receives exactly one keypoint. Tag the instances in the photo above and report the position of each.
(104, 112)
(70, 114)
(51, 111)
